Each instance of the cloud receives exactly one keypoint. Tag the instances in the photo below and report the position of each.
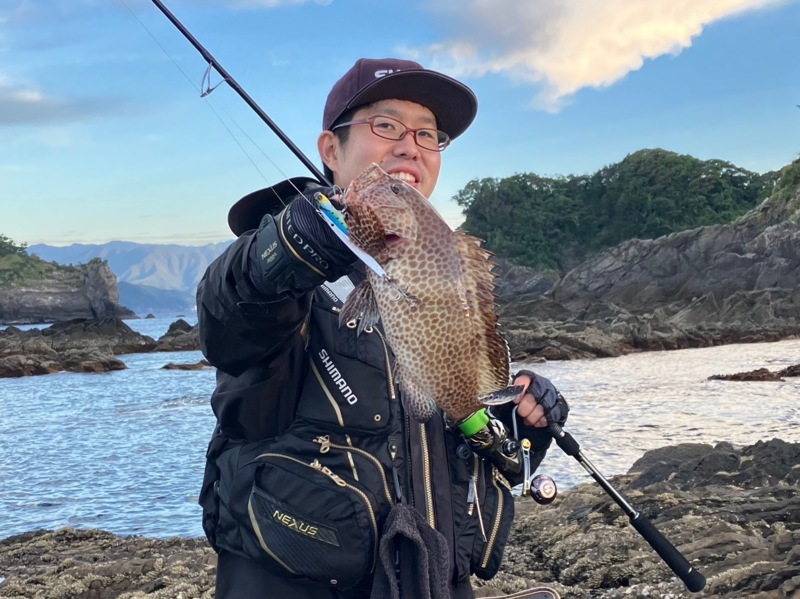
(27, 105)
(562, 46)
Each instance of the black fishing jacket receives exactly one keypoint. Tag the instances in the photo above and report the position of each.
(313, 447)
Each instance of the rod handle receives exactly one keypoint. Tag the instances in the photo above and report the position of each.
(693, 580)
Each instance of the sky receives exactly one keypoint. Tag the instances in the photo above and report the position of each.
(104, 134)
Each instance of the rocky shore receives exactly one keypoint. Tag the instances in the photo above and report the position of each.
(734, 513)
(84, 345)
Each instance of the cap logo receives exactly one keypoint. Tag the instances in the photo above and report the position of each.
(383, 72)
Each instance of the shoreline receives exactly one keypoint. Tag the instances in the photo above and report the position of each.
(734, 513)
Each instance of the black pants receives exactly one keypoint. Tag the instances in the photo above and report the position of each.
(240, 578)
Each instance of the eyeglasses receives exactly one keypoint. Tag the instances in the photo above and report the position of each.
(389, 128)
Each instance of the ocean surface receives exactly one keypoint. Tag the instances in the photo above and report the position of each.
(124, 451)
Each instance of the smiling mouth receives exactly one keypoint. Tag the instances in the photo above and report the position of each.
(405, 177)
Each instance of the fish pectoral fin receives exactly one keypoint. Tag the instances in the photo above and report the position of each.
(418, 404)
(503, 396)
(361, 306)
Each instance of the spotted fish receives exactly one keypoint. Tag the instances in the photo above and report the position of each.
(436, 302)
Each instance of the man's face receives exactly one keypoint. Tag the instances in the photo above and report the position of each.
(403, 158)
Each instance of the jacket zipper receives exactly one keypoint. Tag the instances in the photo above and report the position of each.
(316, 465)
(326, 445)
(426, 476)
(498, 518)
(392, 394)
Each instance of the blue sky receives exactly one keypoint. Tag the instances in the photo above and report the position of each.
(103, 134)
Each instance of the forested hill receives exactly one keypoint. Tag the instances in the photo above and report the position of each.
(557, 222)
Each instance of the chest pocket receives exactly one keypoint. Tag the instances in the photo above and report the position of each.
(349, 382)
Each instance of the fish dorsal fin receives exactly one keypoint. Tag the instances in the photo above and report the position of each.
(493, 355)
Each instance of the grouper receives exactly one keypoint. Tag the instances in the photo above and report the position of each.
(436, 300)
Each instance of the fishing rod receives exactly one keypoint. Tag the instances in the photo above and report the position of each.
(242, 93)
(330, 216)
(693, 579)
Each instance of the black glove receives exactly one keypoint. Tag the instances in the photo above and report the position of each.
(296, 250)
(546, 395)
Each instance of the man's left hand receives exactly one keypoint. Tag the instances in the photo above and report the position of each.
(541, 401)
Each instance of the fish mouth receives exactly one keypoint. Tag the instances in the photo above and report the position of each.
(393, 240)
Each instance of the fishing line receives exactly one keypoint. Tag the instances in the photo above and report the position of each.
(332, 221)
(205, 93)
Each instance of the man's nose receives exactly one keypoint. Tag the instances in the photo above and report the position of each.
(408, 145)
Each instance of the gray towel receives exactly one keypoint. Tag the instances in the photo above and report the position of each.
(424, 563)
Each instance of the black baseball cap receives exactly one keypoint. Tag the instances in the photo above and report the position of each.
(373, 79)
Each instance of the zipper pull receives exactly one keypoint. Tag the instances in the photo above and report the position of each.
(398, 487)
(316, 465)
(324, 442)
(471, 494)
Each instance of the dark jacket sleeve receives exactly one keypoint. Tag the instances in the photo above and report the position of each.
(239, 326)
(256, 341)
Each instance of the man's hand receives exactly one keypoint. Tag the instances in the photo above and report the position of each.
(541, 402)
(311, 240)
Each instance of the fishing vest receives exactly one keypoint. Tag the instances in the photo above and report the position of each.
(310, 502)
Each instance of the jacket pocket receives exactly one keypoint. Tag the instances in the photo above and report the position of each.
(497, 515)
(311, 522)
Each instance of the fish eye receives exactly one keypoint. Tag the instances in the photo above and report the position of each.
(395, 188)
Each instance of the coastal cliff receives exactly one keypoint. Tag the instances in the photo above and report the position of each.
(712, 285)
(33, 291)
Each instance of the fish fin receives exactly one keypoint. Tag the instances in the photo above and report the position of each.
(360, 306)
(419, 405)
(494, 358)
(503, 396)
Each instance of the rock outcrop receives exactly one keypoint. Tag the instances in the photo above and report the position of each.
(86, 345)
(708, 286)
(78, 345)
(734, 513)
(85, 291)
(181, 336)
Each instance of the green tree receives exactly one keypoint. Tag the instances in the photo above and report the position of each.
(553, 223)
(8, 247)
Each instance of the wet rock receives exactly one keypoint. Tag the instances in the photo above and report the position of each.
(79, 345)
(196, 366)
(790, 371)
(92, 564)
(181, 336)
(761, 374)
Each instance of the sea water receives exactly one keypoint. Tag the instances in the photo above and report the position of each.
(124, 451)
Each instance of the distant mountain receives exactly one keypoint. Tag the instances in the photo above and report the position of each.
(145, 300)
(153, 278)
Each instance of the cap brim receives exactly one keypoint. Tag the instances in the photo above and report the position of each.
(452, 102)
(246, 214)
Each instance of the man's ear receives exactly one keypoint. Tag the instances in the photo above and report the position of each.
(328, 147)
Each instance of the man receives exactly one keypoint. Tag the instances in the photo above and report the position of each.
(317, 484)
